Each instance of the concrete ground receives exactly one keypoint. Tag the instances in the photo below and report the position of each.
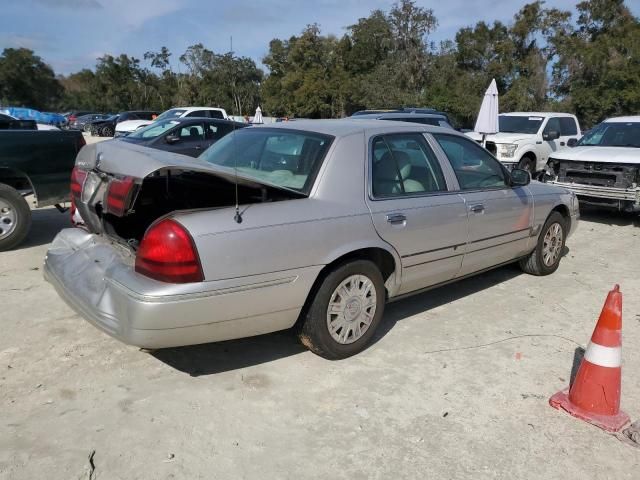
(456, 385)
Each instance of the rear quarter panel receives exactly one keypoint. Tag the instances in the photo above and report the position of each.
(290, 234)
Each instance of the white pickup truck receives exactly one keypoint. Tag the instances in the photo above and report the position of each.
(527, 139)
(125, 128)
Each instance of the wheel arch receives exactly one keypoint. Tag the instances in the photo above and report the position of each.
(16, 179)
(563, 210)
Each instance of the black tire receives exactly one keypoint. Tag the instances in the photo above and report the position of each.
(107, 131)
(528, 164)
(19, 225)
(87, 128)
(534, 263)
(94, 131)
(314, 330)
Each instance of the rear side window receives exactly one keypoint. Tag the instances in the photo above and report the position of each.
(198, 113)
(402, 165)
(474, 167)
(568, 127)
(216, 114)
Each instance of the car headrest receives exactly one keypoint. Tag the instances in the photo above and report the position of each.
(391, 162)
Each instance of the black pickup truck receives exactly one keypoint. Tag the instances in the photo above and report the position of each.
(37, 163)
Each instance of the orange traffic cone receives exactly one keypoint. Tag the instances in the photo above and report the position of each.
(594, 395)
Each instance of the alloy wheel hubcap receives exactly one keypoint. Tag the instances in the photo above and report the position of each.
(351, 309)
(552, 244)
(8, 219)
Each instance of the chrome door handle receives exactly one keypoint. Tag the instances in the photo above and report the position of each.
(396, 218)
(477, 208)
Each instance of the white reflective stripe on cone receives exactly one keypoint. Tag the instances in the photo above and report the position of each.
(603, 356)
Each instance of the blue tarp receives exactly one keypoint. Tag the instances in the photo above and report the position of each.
(30, 114)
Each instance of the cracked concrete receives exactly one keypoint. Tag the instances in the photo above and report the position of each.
(456, 385)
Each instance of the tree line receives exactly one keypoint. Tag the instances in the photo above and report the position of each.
(586, 62)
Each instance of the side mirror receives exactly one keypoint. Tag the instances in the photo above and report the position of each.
(572, 142)
(551, 135)
(171, 139)
(519, 177)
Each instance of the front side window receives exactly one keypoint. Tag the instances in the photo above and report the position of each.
(154, 130)
(191, 133)
(474, 167)
(553, 125)
(282, 157)
(403, 164)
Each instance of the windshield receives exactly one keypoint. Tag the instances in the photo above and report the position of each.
(112, 117)
(173, 113)
(613, 134)
(154, 130)
(514, 124)
(285, 158)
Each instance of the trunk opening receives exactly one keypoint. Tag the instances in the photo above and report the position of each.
(171, 190)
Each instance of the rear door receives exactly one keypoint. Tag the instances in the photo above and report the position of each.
(214, 132)
(500, 216)
(413, 209)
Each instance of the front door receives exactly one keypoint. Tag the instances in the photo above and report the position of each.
(191, 140)
(500, 216)
(413, 210)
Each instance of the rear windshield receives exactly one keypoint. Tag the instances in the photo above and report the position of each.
(613, 134)
(285, 158)
(173, 113)
(513, 124)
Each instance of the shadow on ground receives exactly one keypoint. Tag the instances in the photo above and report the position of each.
(589, 213)
(220, 357)
(45, 225)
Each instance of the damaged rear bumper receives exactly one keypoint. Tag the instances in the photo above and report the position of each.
(98, 281)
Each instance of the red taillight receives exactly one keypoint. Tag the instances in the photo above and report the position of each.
(77, 181)
(71, 118)
(167, 254)
(119, 195)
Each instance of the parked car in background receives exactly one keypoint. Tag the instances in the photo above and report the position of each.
(604, 168)
(73, 115)
(404, 110)
(7, 122)
(37, 163)
(83, 122)
(187, 136)
(434, 119)
(126, 127)
(527, 139)
(107, 127)
(333, 218)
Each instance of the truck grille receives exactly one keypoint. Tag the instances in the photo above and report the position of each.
(597, 174)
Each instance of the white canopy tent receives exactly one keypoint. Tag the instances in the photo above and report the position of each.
(487, 122)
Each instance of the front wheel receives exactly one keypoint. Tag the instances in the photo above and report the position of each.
(345, 311)
(545, 259)
(15, 218)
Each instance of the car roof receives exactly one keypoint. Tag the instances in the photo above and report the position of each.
(181, 120)
(399, 115)
(348, 126)
(190, 109)
(628, 118)
(537, 114)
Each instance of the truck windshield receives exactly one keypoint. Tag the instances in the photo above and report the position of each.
(173, 113)
(285, 158)
(613, 134)
(517, 124)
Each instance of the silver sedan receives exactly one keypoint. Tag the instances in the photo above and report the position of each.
(312, 224)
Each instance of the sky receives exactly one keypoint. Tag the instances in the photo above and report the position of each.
(72, 34)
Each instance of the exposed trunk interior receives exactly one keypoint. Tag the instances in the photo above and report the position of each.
(169, 190)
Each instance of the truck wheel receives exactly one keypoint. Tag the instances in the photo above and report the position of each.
(15, 218)
(345, 311)
(545, 259)
(528, 164)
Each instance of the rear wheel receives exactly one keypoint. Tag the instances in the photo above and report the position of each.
(15, 218)
(107, 131)
(545, 259)
(345, 311)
